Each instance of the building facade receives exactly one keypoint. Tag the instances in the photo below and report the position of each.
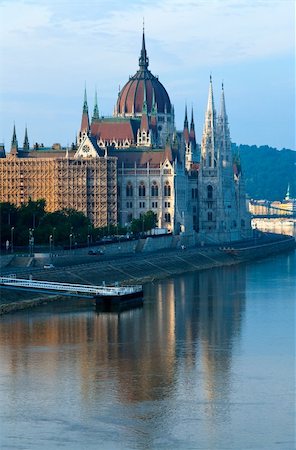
(136, 161)
(86, 185)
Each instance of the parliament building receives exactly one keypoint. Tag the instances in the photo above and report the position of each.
(136, 161)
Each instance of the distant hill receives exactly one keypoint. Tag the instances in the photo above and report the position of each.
(267, 171)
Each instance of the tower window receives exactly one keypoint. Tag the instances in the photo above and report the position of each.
(154, 189)
(167, 189)
(210, 192)
(129, 189)
(142, 189)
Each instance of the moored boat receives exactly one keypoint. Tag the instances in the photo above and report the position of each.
(111, 297)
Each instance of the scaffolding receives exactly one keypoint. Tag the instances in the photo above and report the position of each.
(88, 185)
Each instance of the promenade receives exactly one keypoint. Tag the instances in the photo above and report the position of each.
(117, 265)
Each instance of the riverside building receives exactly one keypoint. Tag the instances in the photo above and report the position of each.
(136, 161)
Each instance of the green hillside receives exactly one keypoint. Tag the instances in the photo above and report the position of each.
(267, 171)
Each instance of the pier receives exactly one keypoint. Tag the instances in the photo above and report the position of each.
(70, 288)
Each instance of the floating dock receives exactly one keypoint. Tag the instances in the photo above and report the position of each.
(105, 297)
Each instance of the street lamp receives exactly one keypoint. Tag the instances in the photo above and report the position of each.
(70, 237)
(53, 235)
(11, 239)
(88, 239)
(31, 241)
(50, 245)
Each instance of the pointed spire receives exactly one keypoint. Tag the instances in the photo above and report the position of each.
(208, 144)
(186, 118)
(14, 139)
(288, 195)
(144, 118)
(85, 107)
(14, 143)
(85, 119)
(154, 104)
(143, 60)
(185, 130)
(192, 130)
(210, 107)
(26, 145)
(96, 109)
(223, 114)
(192, 121)
(144, 98)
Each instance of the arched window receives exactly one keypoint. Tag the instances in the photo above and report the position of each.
(210, 216)
(167, 189)
(210, 192)
(154, 189)
(129, 189)
(142, 190)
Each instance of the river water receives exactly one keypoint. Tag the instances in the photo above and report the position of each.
(207, 363)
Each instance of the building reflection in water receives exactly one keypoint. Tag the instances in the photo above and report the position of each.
(185, 333)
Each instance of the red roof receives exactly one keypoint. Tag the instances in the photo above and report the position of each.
(131, 97)
(141, 158)
(109, 129)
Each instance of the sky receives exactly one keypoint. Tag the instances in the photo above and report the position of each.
(51, 49)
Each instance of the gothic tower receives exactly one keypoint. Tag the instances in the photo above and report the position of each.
(26, 146)
(14, 144)
(229, 213)
(210, 170)
(84, 128)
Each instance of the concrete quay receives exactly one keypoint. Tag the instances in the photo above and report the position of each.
(126, 267)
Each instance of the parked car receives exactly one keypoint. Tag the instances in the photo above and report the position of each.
(48, 266)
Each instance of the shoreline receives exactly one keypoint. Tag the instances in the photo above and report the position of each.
(143, 268)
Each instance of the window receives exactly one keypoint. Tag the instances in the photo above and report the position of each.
(194, 193)
(210, 216)
(167, 204)
(154, 204)
(142, 189)
(154, 189)
(129, 189)
(142, 204)
(167, 218)
(129, 217)
(129, 204)
(167, 189)
(210, 191)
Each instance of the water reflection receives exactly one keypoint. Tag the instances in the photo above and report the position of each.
(177, 347)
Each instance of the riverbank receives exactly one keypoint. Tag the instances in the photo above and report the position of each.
(141, 267)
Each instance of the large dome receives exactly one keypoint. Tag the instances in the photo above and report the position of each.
(142, 84)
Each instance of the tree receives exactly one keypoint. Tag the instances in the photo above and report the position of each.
(145, 223)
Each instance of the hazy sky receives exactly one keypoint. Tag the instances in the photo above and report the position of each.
(51, 48)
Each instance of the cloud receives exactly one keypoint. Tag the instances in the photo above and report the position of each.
(50, 48)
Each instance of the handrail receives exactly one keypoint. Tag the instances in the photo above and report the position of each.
(69, 287)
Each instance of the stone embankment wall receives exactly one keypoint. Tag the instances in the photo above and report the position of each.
(140, 267)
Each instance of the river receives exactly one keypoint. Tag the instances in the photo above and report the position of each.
(207, 363)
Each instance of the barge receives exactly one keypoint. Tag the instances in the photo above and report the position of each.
(119, 297)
